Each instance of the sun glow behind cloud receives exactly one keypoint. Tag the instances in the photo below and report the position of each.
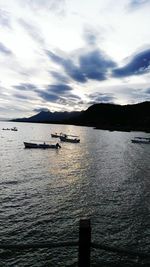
(66, 55)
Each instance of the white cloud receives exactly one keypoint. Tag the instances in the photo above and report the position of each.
(71, 29)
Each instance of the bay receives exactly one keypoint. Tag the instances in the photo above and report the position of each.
(44, 194)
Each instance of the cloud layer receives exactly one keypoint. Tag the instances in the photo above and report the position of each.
(93, 65)
(67, 55)
(139, 64)
(5, 50)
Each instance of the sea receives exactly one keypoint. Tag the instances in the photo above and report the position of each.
(45, 192)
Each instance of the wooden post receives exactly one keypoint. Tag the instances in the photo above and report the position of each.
(84, 243)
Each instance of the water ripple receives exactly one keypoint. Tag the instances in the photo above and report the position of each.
(44, 194)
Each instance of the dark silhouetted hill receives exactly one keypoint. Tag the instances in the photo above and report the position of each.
(116, 117)
(49, 117)
(101, 116)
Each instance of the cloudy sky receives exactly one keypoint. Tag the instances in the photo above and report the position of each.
(69, 54)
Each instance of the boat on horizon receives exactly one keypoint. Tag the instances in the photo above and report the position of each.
(141, 140)
(43, 145)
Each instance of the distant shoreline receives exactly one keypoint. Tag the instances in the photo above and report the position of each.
(102, 116)
(106, 128)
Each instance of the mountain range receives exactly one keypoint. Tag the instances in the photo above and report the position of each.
(134, 117)
(50, 117)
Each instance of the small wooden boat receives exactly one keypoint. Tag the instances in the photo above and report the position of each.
(65, 138)
(56, 135)
(6, 129)
(14, 129)
(43, 145)
(141, 140)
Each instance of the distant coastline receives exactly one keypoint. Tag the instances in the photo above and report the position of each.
(102, 116)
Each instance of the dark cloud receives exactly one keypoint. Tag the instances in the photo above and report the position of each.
(21, 96)
(70, 68)
(134, 4)
(69, 100)
(95, 65)
(73, 96)
(40, 109)
(58, 76)
(47, 96)
(59, 88)
(54, 57)
(5, 50)
(59, 93)
(136, 94)
(74, 72)
(100, 98)
(26, 87)
(147, 91)
(91, 65)
(53, 92)
(139, 64)
(5, 19)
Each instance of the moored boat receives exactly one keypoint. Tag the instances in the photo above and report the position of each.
(141, 140)
(56, 135)
(65, 138)
(43, 145)
(14, 129)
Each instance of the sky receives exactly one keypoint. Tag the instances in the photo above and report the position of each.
(65, 55)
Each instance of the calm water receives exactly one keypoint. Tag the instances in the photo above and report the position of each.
(44, 193)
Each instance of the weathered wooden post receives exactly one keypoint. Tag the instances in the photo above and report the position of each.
(84, 243)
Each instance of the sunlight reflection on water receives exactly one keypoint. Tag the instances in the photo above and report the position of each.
(44, 193)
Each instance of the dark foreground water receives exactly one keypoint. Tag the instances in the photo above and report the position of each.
(44, 193)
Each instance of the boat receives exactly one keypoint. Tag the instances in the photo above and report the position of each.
(43, 145)
(56, 135)
(65, 138)
(14, 129)
(141, 140)
(6, 129)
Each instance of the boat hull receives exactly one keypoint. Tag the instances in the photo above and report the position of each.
(43, 146)
(55, 135)
(69, 140)
(14, 129)
(140, 141)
